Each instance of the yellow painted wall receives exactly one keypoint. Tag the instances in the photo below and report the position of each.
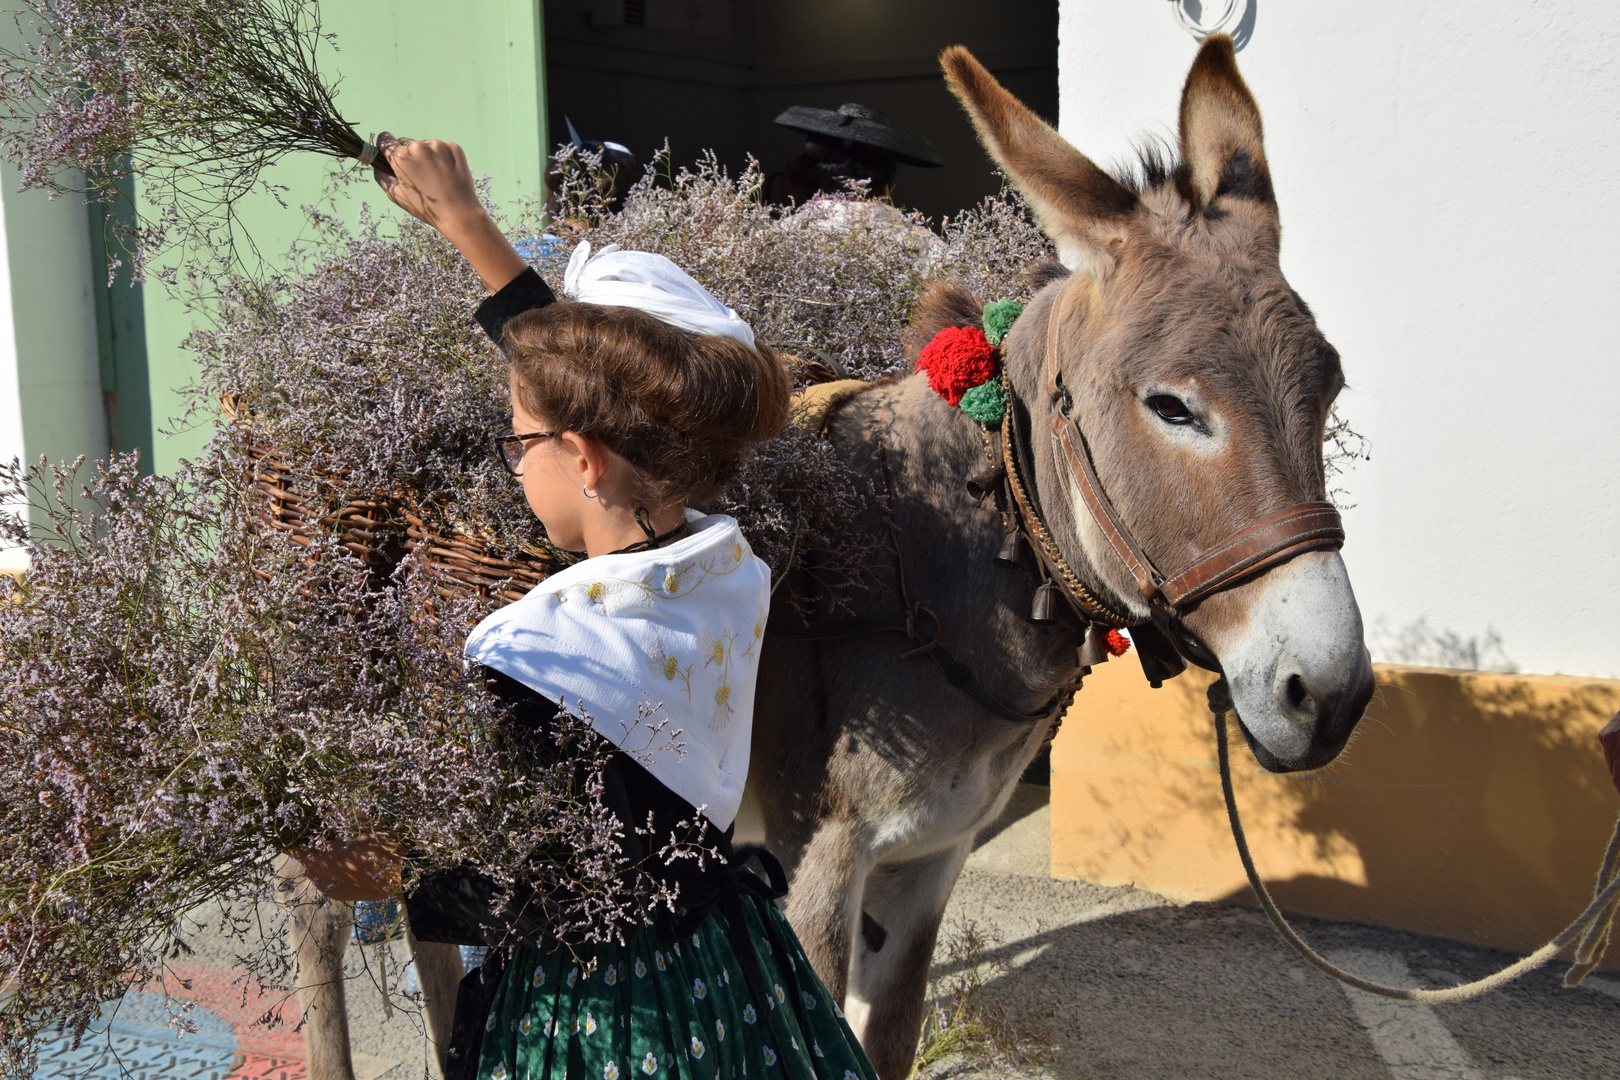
(1471, 805)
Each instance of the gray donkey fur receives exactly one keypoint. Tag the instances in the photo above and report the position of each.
(1203, 386)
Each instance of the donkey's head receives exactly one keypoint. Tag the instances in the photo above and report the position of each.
(1202, 385)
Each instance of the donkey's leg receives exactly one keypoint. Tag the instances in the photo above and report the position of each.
(827, 874)
(888, 988)
(317, 933)
(438, 970)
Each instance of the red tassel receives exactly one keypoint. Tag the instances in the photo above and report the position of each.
(1117, 643)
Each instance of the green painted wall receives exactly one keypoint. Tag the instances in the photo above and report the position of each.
(53, 324)
(51, 402)
(472, 72)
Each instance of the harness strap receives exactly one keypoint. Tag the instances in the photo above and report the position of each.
(1135, 559)
(1027, 516)
(1307, 527)
(956, 673)
(1311, 526)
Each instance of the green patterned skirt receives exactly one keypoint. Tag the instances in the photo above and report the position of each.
(671, 1010)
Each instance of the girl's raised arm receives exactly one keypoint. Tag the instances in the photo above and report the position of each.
(432, 183)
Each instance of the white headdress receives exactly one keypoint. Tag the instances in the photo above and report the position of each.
(653, 284)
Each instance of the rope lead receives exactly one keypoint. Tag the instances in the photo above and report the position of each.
(1592, 926)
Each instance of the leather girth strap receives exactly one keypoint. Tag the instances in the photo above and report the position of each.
(956, 673)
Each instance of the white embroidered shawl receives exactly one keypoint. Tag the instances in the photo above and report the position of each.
(678, 627)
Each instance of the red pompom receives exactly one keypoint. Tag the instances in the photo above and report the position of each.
(1118, 643)
(958, 359)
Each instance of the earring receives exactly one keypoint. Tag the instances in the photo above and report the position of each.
(587, 492)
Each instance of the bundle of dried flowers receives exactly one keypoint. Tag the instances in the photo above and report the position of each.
(195, 97)
(184, 698)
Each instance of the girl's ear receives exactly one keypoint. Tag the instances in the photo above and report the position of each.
(588, 457)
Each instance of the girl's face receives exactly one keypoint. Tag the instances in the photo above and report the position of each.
(555, 477)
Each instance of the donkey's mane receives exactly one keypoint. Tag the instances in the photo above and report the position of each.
(1157, 165)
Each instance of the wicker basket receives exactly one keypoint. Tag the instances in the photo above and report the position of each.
(461, 564)
(383, 532)
(372, 529)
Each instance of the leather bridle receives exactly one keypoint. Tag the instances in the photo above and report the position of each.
(1247, 553)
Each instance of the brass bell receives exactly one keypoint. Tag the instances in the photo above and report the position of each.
(1095, 650)
(1012, 549)
(1041, 609)
(986, 482)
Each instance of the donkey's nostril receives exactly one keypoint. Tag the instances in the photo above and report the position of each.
(1298, 697)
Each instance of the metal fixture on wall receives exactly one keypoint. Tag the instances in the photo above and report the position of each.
(1201, 18)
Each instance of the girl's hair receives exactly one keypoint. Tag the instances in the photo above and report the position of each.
(681, 408)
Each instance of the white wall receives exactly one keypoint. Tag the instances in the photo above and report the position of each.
(1449, 182)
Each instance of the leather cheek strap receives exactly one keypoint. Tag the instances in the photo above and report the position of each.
(1310, 526)
(1085, 477)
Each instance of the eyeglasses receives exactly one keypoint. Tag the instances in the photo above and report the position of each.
(511, 449)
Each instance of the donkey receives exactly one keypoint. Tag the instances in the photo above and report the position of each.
(1203, 386)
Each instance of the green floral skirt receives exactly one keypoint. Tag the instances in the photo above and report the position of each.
(672, 1010)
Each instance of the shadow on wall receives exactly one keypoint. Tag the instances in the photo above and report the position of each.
(1471, 805)
(1201, 18)
(1421, 644)
(1477, 806)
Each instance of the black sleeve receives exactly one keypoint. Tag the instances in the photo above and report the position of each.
(523, 293)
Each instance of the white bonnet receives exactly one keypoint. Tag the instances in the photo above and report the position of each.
(650, 283)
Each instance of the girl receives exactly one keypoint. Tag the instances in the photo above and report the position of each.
(631, 400)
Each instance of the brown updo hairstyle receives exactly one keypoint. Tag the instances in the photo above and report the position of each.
(681, 408)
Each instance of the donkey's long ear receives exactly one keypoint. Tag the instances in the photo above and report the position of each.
(1079, 206)
(1221, 145)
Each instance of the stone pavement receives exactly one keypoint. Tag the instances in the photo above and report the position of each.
(1108, 982)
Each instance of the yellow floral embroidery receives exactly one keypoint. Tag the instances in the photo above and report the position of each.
(675, 583)
(667, 664)
(722, 696)
(719, 652)
(759, 629)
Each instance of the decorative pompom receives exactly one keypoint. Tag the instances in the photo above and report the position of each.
(957, 359)
(999, 317)
(1117, 643)
(986, 403)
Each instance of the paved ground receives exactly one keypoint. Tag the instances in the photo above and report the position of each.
(1108, 983)
(1119, 983)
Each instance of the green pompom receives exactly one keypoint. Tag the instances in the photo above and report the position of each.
(986, 403)
(999, 317)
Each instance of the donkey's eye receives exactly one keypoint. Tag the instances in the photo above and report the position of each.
(1171, 410)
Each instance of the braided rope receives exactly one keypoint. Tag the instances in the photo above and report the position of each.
(1592, 926)
(1035, 528)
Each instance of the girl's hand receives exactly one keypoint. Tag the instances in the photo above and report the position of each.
(433, 183)
(367, 868)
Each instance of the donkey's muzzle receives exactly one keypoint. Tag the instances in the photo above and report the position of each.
(1323, 715)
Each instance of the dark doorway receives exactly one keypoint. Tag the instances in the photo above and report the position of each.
(713, 74)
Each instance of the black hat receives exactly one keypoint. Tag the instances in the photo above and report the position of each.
(859, 124)
(612, 153)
